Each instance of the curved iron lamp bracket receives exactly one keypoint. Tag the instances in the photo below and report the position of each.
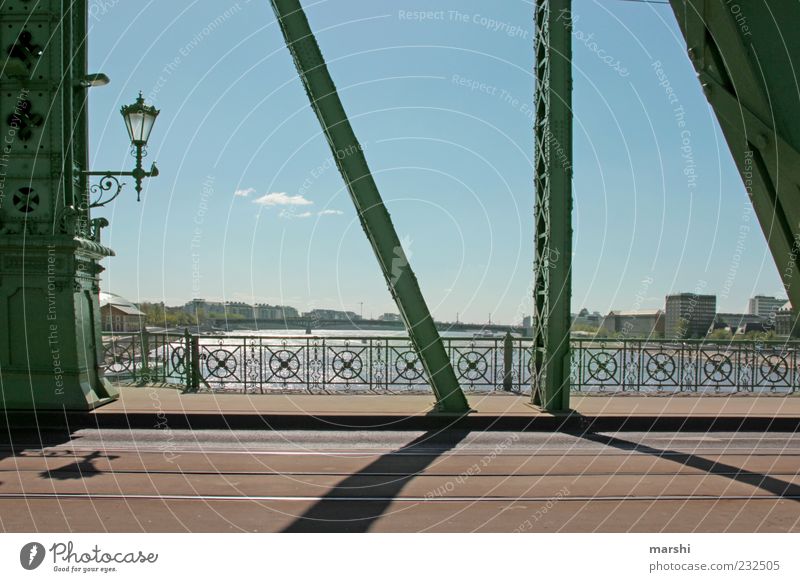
(105, 185)
(109, 181)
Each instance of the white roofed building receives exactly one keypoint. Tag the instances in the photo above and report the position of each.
(119, 315)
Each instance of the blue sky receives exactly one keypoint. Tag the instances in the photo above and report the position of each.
(442, 105)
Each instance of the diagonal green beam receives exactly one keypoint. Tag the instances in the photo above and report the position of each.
(745, 56)
(374, 217)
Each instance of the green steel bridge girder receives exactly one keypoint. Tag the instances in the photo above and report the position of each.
(746, 55)
(372, 213)
(552, 285)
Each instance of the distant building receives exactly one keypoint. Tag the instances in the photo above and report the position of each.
(689, 315)
(785, 323)
(266, 311)
(119, 314)
(752, 326)
(527, 326)
(332, 314)
(288, 312)
(764, 306)
(238, 308)
(389, 317)
(219, 310)
(635, 324)
(736, 321)
(588, 319)
(208, 308)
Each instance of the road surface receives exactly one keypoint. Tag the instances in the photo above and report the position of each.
(207, 481)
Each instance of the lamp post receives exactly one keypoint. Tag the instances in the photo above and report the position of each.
(139, 120)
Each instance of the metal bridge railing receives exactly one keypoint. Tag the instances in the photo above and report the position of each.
(228, 363)
(702, 366)
(148, 358)
(370, 364)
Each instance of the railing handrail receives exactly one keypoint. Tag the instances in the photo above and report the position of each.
(608, 340)
(297, 337)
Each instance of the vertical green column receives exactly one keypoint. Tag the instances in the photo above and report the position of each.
(372, 213)
(50, 342)
(553, 205)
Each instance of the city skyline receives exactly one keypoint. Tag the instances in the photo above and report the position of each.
(752, 308)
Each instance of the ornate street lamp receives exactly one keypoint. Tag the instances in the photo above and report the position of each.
(139, 120)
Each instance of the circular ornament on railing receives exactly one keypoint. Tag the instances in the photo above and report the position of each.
(221, 363)
(408, 366)
(661, 367)
(773, 368)
(602, 366)
(717, 367)
(284, 364)
(472, 366)
(117, 358)
(347, 365)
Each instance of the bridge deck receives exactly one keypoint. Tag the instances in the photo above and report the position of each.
(139, 469)
(138, 480)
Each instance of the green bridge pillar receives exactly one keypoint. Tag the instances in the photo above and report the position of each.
(50, 342)
(553, 206)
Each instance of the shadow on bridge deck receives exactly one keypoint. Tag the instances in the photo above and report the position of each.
(778, 487)
(329, 514)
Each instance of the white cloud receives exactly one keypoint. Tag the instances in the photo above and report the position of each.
(245, 192)
(281, 199)
(330, 212)
(289, 214)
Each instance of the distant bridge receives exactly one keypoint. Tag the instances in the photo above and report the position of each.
(305, 323)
